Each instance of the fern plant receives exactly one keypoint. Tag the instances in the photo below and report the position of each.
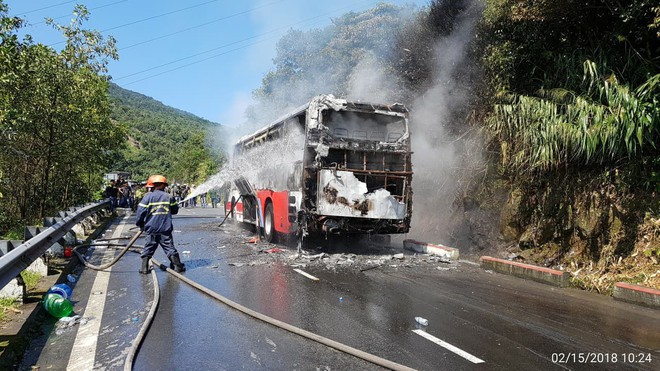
(608, 123)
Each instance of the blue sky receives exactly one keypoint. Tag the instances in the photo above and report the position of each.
(200, 56)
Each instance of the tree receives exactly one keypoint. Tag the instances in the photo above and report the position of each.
(54, 114)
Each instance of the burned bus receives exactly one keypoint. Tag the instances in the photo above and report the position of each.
(330, 167)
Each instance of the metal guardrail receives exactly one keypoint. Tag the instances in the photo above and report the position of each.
(16, 260)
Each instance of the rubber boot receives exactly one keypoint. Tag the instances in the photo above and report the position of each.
(145, 265)
(176, 264)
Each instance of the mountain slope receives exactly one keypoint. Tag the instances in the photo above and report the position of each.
(162, 139)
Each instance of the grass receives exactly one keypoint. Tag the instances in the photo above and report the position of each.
(14, 234)
(31, 279)
(5, 305)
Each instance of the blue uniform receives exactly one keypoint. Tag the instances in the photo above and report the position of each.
(154, 213)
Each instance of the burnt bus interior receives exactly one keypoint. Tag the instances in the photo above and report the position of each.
(372, 146)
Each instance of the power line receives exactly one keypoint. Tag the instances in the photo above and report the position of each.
(199, 61)
(157, 16)
(47, 7)
(147, 19)
(95, 8)
(201, 25)
(220, 47)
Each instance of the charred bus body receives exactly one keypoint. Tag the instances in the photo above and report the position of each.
(347, 169)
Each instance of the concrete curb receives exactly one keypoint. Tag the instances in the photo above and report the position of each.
(528, 271)
(433, 249)
(636, 294)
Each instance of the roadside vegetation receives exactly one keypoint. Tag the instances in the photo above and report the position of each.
(574, 123)
(54, 120)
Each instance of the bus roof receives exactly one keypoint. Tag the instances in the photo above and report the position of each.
(328, 101)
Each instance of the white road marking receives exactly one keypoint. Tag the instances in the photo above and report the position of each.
(306, 274)
(448, 346)
(83, 352)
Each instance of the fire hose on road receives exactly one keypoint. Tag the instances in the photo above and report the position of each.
(128, 364)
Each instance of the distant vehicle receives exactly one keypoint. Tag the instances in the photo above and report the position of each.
(330, 167)
(114, 175)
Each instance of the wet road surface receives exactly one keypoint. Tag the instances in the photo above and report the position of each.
(477, 319)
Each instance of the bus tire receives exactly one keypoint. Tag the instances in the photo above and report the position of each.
(233, 206)
(269, 223)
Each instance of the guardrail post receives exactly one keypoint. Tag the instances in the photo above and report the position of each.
(31, 231)
(27, 255)
(51, 220)
(5, 246)
(15, 288)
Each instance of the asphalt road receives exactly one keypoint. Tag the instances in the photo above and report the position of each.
(477, 319)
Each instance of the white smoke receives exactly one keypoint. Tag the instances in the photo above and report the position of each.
(371, 81)
(276, 157)
(440, 161)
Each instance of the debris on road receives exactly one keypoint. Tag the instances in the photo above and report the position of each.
(422, 321)
(273, 250)
(346, 256)
(306, 274)
(370, 268)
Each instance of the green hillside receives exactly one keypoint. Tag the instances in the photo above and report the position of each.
(162, 139)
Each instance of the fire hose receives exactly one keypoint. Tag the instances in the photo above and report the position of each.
(128, 364)
(130, 358)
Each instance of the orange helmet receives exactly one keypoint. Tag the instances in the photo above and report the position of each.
(156, 179)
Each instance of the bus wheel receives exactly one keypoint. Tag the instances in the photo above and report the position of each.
(233, 206)
(269, 224)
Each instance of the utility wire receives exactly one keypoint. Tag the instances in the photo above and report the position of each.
(147, 19)
(220, 47)
(199, 61)
(157, 16)
(169, 13)
(68, 15)
(198, 54)
(46, 7)
(201, 25)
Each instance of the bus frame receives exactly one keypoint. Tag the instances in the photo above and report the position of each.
(349, 180)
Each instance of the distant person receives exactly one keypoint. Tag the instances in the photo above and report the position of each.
(111, 193)
(140, 191)
(193, 199)
(154, 217)
(177, 193)
(184, 195)
(202, 200)
(214, 198)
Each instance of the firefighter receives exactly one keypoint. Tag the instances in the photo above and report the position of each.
(154, 217)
